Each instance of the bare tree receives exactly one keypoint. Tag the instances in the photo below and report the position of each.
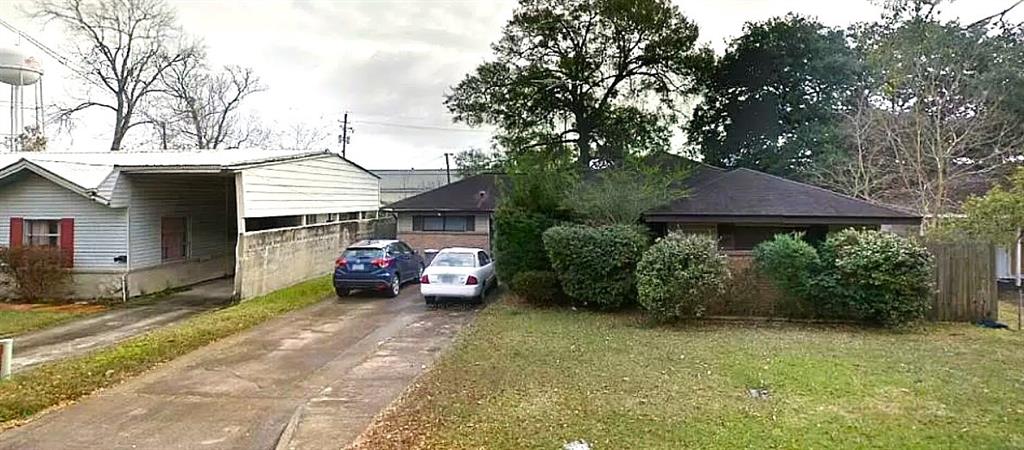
(865, 169)
(204, 106)
(939, 120)
(300, 136)
(124, 47)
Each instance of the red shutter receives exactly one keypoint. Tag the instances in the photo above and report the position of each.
(17, 231)
(67, 241)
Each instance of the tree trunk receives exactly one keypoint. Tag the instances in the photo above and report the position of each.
(583, 143)
(115, 145)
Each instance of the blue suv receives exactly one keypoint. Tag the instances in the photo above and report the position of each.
(376, 264)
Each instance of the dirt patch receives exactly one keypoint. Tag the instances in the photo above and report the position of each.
(70, 309)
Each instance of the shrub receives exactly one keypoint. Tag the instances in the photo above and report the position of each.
(518, 242)
(37, 271)
(595, 265)
(538, 287)
(679, 274)
(789, 262)
(880, 277)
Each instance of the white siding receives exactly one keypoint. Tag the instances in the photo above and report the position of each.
(322, 185)
(99, 230)
(201, 199)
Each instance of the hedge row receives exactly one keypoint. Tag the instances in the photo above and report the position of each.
(867, 275)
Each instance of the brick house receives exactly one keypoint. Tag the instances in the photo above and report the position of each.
(454, 215)
(740, 207)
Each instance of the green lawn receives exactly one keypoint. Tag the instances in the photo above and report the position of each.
(27, 393)
(18, 321)
(529, 378)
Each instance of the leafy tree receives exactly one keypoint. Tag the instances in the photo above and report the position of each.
(31, 140)
(620, 195)
(587, 79)
(773, 102)
(475, 161)
(998, 215)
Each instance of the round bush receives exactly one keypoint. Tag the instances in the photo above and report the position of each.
(538, 288)
(679, 274)
(596, 265)
(518, 244)
(788, 261)
(881, 277)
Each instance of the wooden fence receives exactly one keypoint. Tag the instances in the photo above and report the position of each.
(965, 282)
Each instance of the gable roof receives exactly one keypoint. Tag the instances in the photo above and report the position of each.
(746, 195)
(88, 173)
(473, 194)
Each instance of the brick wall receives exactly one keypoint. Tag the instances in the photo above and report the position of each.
(423, 240)
(750, 294)
(437, 241)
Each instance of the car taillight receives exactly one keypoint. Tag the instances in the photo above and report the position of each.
(471, 281)
(424, 280)
(382, 262)
(340, 262)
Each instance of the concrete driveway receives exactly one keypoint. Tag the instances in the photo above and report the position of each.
(316, 376)
(81, 336)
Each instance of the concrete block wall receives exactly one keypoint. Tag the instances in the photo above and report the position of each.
(176, 274)
(275, 259)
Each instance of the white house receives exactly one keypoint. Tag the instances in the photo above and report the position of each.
(131, 223)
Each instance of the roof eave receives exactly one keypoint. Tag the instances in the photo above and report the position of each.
(24, 164)
(440, 210)
(667, 217)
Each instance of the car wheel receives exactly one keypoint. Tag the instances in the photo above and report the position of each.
(396, 286)
(342, 292)
(430, 301)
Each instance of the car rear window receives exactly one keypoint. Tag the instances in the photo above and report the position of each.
(364, 253)
(454, 260)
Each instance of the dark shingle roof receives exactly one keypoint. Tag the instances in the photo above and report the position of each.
(714, 195)
(474, 194)
(746, 194)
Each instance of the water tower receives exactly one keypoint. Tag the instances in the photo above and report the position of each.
(18, 71)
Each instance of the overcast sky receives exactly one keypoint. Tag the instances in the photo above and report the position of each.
(387, 62)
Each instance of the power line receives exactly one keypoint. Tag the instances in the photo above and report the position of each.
(63, 60)
(417, 127)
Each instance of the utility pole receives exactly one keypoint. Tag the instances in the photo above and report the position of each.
(344, 138)
(448, 167)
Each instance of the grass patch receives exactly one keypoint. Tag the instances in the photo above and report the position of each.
(52, 384)
(18, 319)
(533, 378)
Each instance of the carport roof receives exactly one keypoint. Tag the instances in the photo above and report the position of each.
(86, 172)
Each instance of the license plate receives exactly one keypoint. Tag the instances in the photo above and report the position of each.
(448, 279)
(359, 267)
